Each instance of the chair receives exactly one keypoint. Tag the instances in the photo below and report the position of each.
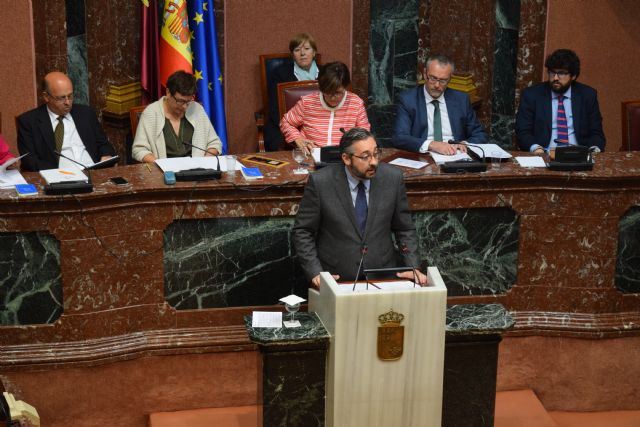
(630, 125)
(268, 63)
(290, 92)
(134, 117)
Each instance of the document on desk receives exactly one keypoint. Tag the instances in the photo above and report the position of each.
(266, 319)
(442, 158)
(490, 150)
(347, 288)
(66, 174)
(408, 163)
(10, 178)
(531, 162)
(177, 164)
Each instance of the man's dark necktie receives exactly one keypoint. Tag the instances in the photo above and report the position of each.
(361, 208)
(437, 121)
(563, 128)
(59, 134)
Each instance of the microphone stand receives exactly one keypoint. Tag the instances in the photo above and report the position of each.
(462, 166)
(70, 187)
(199, 174)
(355, 281)
(405, 251)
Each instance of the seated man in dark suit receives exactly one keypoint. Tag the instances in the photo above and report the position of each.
(429, 116)
(560, 111)
(60, 126)
(350, 211)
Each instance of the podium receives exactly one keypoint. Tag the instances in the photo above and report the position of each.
(386, 354)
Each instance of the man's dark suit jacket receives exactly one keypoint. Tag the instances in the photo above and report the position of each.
(533, 121)
(326, 235)
(411, 126)
(35, 136)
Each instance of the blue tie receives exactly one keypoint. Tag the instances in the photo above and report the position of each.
(361, 208)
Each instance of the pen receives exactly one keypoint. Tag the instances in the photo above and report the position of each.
(148, 167)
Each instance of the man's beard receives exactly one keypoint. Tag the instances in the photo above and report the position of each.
(562, 89)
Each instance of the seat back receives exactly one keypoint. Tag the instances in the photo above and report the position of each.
(134, 117)
(630, 125)
(268, 63)
(290, 92)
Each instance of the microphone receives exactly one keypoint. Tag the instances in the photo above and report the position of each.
(364, 251)
(451, 141)
(342, 130)
(199, 174)
(465, 165)
(69, 187)
(405, 250)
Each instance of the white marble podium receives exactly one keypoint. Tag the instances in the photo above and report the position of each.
(362, 389)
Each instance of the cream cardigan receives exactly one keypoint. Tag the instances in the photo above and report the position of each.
(149, 138)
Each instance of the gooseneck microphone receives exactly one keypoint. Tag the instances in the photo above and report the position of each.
(465, 165)
(405, 250)
(364, 251)
(199, 174)
(84, 167)
(452, 142)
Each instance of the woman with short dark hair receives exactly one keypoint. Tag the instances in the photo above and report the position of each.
(319, 119)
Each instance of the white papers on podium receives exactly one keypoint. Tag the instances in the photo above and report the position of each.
(66, 174)
(490, 150)
(441, 158)
(408, 163)
(347, 288)
(177, 164)
(531, 162)
(266, 319)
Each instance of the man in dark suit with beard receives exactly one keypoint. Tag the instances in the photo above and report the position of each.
(355, 207)
(560, 111)
(62, 126)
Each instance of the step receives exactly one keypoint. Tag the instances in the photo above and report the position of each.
(596, 419)
(521, 408)
(237, 416)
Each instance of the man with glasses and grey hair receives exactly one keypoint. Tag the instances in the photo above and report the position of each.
(560, 111)
(428, 117)
(351, 211)
(60, 126)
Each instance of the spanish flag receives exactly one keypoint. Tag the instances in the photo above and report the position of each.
(175, 50)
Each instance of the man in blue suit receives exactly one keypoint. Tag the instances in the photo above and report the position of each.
(430, 116)
(560, 111)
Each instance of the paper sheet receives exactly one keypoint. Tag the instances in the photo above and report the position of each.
(531, 162)
(177, 164)
(408, 163)
(11, 177)
(266, 319)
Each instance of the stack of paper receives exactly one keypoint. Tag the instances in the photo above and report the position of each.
(177, 164)
(10, 177)
(66, 174)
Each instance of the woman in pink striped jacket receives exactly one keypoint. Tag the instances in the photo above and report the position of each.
(317, 119)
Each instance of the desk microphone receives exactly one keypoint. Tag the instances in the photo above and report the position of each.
(364, 252)
(465, 165)
(452, 142)
(199, 174)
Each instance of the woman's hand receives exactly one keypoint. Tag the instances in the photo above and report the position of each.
(305, 145)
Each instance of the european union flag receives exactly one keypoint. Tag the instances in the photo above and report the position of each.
(206, 64)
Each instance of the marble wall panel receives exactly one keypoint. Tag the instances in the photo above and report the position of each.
(230, 262)
(30, 283)
(50, 37)
(504, 72)
(475, 250)
(360, 48)
(77, 50)
(392, 61)
(531, 43)
(628, 253)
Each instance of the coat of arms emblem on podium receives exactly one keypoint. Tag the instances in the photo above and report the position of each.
(390, 336)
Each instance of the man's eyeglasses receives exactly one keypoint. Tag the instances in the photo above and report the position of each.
(61, 98)
(433, 79)
(367, 157)
(560, 74)
(182, 102)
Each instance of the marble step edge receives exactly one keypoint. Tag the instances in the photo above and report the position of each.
(589, 325)
(125, 347)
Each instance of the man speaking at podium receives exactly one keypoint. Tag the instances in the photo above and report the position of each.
(349, 213)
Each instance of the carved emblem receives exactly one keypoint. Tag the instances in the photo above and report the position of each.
(390, 336)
